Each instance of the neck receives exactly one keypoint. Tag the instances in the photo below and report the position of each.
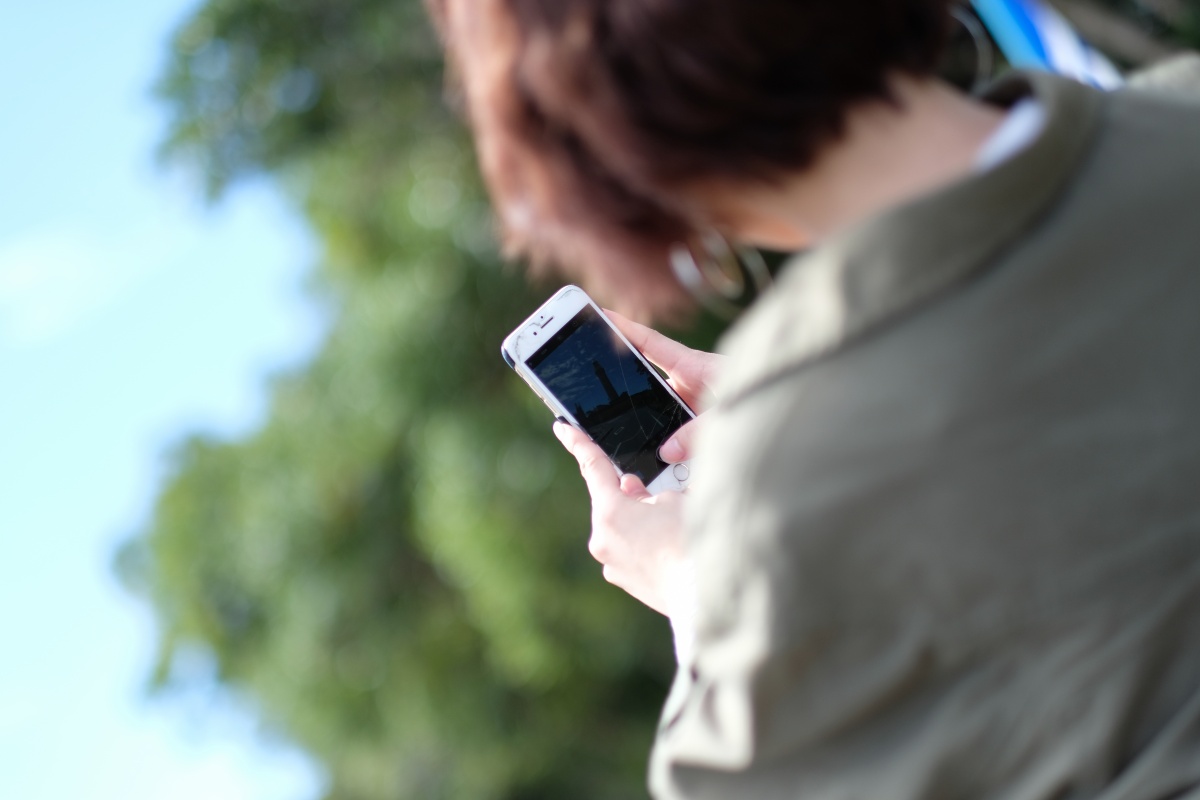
(890, 153)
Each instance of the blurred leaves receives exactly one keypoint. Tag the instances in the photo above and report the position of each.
(394, 569)
(258, 84)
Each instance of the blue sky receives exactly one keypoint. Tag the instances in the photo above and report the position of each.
(130, 314)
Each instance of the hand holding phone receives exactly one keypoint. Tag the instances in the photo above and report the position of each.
(638, 538)
(691, 373)
(590, 375)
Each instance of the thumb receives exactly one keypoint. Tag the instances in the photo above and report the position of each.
(680, 446)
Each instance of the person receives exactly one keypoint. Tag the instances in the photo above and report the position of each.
(943, 539)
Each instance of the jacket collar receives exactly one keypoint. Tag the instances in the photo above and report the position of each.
(890, 265)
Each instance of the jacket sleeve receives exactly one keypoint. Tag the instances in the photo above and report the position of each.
(908, 594)
(801, 637)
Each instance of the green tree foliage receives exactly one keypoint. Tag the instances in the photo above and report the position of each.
(393, 569)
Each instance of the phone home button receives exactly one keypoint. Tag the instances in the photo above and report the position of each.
(681, 472)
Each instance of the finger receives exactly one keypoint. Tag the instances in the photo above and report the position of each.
(665, 353)
(681, 445)
(598, 472)
(632, 486)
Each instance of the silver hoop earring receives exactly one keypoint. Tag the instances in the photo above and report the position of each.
(724, 279)
(985, 58)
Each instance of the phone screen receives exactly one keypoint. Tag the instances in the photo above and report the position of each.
(612, 394)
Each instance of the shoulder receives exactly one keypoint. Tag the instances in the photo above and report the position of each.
(1178, 76)
(1122, 167)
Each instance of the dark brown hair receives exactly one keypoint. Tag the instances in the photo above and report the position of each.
(593, 118)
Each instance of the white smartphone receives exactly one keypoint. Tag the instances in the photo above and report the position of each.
(594, 379)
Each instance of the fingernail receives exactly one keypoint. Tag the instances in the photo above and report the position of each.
(560, 429)
(671, 452)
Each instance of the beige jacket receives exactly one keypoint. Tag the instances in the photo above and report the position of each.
(947, 519)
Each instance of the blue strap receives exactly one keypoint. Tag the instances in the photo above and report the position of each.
(1032, 35)
(1013, 28)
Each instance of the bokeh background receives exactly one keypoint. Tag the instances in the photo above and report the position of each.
(275, 519)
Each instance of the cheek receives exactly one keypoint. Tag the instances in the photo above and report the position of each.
(770, 234)
(751, 217)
